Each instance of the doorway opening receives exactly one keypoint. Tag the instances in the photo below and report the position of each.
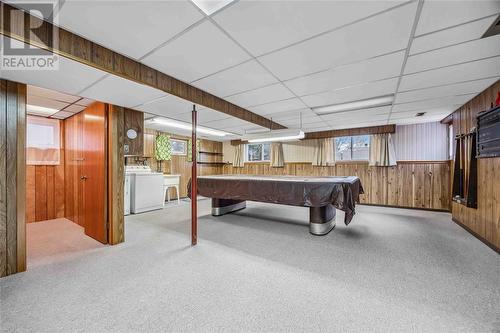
(66, 174)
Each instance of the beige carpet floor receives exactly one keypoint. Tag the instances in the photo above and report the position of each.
(390, 270)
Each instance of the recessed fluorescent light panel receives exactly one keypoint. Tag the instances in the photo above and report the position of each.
(211, 6)
(275, 136)
(187, 127)
(40, 110)
(356, 105)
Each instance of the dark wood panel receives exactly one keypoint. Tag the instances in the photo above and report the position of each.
(15, 25)
(12, 177)
(134, 120)
(3, 178)
(351, 131)
(484, 222)
(116, 175)
(405, 185)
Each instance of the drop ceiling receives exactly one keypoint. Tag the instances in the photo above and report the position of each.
(282, 58)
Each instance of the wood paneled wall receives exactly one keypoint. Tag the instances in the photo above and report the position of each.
(484, 221)
(133, 120)
(417, 184)
(179, 163)
(45, 195)
(12, 177)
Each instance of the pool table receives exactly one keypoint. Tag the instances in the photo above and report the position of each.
(322, 195)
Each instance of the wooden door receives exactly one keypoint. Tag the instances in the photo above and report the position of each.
(93, 175)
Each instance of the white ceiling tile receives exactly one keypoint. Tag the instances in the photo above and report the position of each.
(263, 26)
(247, 76)
(443, 91)
(477, 49)
(378, 35)
(417, 120)
(451, 36)
(132, 28)
(350, 75)
(442, 14)
(453, 74)
(122, 92)
(367, 114)
(363, 91)
(229, 123)
(286, 105)
(357, 123)
(62, 115)
(45, 102)
(272, 93)
(294, 114)
(84, 102)
(75, 108)
(205, 115)
(432, 103)
(70, 78)
(197, 53)
(167, 106)
(51, 94)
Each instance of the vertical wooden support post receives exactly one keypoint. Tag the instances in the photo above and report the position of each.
(12, 177)
(194, 182)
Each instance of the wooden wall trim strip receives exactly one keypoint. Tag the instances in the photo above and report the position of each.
(21, 178)
(116, 174)
(16, 24)
(12, 177)
(351, 131)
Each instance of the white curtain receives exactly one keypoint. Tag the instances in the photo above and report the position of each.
(239, 158)
(324, 152)
(277, 159)
(382, 151)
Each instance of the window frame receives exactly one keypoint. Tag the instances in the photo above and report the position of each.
(177, 153)
(262, 160)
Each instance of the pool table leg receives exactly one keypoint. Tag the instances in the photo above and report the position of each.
(226, 206)
(321, 220)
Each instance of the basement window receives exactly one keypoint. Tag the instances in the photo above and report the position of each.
(42, 141)
(258, 152)
(179, 147)
(352, 148)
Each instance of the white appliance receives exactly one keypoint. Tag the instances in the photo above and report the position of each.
(126, 192)
(146, 189)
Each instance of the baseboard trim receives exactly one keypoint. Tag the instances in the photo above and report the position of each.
(475, 234)
(404, 207)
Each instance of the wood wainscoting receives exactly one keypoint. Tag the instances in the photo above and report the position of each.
(483, 222)
(45, 195)
(411, 184)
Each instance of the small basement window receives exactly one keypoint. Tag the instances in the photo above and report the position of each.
(43, 142)
(352, 148)
(258, 152)
(179, 147)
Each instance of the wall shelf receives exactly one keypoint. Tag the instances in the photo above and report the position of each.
(212, 163)
(209, 152)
